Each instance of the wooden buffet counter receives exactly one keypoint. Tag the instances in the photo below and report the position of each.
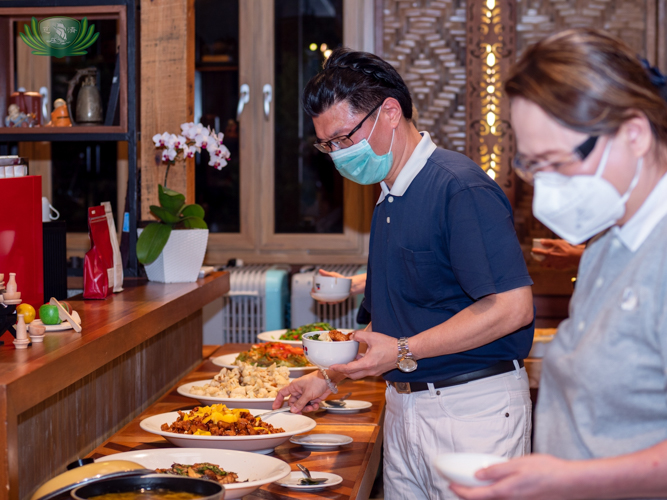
(61, 399)
(357, 463)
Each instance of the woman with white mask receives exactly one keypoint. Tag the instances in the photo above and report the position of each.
(591, 128)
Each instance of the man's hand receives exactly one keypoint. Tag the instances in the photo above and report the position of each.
(380, 356)
(305, 393)
(533, 477)
(559, 254)
(358, 281)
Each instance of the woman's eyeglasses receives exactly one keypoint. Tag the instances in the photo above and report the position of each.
(526, 168)
(342, 141)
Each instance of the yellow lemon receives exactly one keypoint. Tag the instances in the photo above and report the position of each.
(27, 310)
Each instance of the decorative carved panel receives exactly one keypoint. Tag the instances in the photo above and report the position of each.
(425, 41)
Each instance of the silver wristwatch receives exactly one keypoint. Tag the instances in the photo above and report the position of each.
(405, 362)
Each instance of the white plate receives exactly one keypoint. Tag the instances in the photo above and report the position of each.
(274, 336)
(227, 361)
(351, 406)
(461, 467)
(58, 328)
(321, 441)
(292, 481)
(257, 469)
(254, 403)
(331, 298)
(291, 422)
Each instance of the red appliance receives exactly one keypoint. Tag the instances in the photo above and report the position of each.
(21, 247)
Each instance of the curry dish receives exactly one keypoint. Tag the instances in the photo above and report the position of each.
(218, 420)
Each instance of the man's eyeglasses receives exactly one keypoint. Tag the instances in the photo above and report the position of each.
(342, 141)
(526, 169)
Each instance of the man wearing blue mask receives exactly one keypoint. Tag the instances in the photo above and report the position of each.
(447, 287)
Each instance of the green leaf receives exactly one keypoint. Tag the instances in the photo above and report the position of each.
(88, 44)
(192, 211)
(151, 242)
(164, 215)
(194, 223)
(29, 42)
(82, 31)
(170, 200)
(87, 35)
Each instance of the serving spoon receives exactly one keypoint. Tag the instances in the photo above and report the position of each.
(308, 479)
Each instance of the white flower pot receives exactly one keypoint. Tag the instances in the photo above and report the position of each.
(182, 257)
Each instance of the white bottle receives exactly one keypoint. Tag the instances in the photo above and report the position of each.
(11, 284)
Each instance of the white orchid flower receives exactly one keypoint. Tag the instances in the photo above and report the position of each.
(202, 141)
(217, 162)
(169, 154)
(180, 142)
(188, 130)
(190, 151)
(161, 141)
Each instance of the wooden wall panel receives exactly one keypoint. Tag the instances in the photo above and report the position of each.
(79, 418)
(426, 42)
(167, 92)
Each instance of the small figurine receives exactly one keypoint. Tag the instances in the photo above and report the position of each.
(60, 115)
(37, 333)
(16, 118)
(22, 340)
(11, 284)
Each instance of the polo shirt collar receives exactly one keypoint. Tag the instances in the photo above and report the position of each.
(414, 165)
(634, 232)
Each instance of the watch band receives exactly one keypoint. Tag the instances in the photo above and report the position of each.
(403, 349)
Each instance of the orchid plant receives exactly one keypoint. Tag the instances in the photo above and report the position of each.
(193, 138)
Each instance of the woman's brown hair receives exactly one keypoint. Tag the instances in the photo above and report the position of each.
(588, 81)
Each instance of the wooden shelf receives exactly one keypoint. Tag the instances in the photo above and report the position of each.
(55, 134)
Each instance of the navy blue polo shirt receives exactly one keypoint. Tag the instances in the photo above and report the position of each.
(448, 241)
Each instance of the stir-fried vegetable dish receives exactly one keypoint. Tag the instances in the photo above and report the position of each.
(296, 333)
(273, 352)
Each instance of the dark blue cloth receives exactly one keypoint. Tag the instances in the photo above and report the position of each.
(446, 243)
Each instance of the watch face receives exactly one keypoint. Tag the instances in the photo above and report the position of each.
(407, 365)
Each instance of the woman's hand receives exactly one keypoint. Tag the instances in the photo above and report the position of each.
(305, 393)
(358, 281)
(380, 356)
(559, 254)
(535, 477)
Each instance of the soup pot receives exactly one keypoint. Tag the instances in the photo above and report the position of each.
(202, 488)
(83, 472)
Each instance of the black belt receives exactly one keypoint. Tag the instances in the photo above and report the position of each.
(497, 369)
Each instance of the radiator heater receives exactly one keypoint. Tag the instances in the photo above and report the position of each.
(256, 302)
(305, 309)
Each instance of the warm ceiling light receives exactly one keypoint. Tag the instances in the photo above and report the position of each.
(327, 53)
(491, 173)
(491, 4)
(324, 47)
(490, 118)
(490, 60)
(313, 47)
(490, 89)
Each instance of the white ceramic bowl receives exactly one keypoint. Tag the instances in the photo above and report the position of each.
(461, 467)
(265, 443)
(249, 403)
(331, 286)
(258, 470)
(325, 354)
(330, 298)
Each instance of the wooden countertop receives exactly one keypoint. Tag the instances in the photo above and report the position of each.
(357, 463)
(135, 315)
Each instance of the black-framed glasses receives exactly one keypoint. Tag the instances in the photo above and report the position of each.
(342, 141)
(526, 169)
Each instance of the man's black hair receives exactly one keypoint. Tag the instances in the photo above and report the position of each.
(360, 78)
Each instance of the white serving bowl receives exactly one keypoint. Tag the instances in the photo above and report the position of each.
(258, 470)
(331, 286)
(461, 467)
(264, 443)
(249, 403)
(325, 354)
(330, 298)
(274, 336)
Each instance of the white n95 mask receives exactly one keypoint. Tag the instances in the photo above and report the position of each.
(577, 208)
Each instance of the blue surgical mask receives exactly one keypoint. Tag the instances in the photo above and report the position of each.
(360, 164)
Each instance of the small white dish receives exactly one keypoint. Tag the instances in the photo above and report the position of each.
(227, 361)
(248, 403)
(263, 443)
(12, 302)
(59, 327)
(330, 297)
(293, 481)
(321, 441)
(258, 470)
(460, 468)
(351, 406)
